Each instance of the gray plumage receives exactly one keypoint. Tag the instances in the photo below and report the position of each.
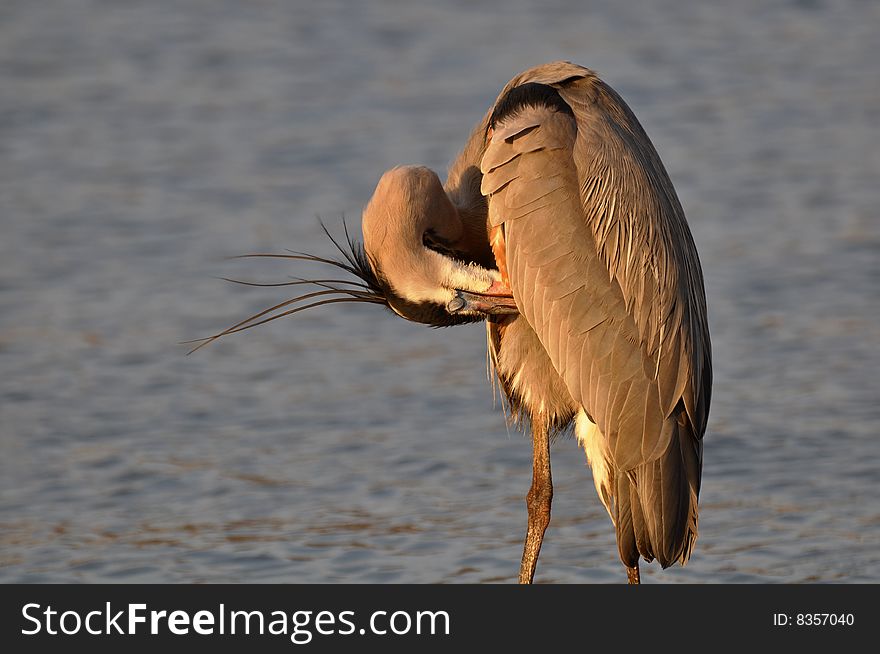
(559, 227)
(605, 272)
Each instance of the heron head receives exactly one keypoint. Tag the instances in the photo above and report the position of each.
(418, 259)
(416, 246)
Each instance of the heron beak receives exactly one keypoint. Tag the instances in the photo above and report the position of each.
(490, 304)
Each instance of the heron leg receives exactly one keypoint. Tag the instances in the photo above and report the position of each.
(538, 501)
(632, 574)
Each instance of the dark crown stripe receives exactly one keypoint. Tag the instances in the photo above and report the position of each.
(530, 94)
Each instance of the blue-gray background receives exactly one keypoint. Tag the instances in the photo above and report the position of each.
(143, 142)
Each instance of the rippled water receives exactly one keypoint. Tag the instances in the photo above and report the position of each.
(140, 143)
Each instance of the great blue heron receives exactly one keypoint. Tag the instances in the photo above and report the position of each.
(559, 227)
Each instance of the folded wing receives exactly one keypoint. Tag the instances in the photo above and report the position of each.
(603, 268)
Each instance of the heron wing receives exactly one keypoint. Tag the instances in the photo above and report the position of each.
(601, 261)
(643, 238)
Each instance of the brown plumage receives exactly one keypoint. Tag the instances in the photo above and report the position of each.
(604, 270)
(597, 318)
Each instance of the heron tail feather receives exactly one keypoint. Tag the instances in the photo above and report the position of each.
(656, 502)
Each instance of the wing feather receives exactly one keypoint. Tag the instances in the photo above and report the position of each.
(586, 203)
(604, 270)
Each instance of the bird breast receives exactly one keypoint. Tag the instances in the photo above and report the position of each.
(533, 388)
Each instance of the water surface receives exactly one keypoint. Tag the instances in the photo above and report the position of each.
(141, 143)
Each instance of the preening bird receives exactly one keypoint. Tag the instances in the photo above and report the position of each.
(559, 227)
